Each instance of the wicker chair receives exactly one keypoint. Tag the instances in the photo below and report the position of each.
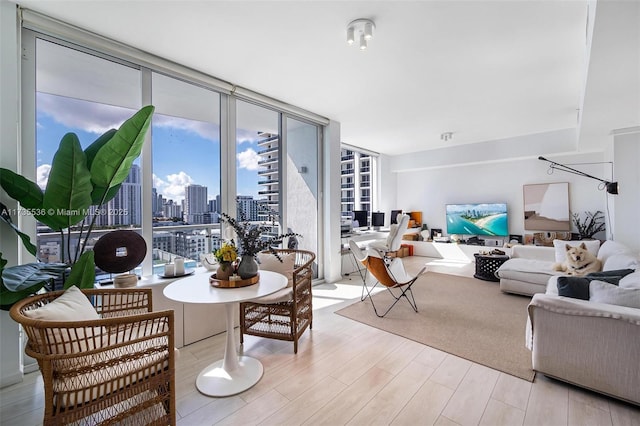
(288, 313)
(119, 369)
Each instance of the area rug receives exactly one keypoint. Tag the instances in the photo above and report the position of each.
(462, 316)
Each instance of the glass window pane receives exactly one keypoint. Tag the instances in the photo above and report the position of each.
(186, 171)
(87, 95)
(257, 155)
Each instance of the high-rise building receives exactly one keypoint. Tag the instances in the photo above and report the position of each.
(195, 203)
(126, 207)
(249, 207)
(154, 202)
(268, 173)
(356, 172)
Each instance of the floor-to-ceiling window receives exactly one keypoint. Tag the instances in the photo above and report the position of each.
(86, 95)
(176, 189)
(186, 170)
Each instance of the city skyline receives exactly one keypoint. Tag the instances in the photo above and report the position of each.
(174, 167)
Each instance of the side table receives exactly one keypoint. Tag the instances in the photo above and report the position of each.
(487, 265)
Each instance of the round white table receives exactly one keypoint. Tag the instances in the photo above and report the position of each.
(233, 374)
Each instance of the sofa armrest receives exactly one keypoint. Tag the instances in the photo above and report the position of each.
(589, 344)
(534, 252)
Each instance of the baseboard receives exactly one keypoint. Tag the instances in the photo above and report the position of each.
(11, 379)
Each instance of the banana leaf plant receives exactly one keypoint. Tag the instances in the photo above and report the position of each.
(78, 179)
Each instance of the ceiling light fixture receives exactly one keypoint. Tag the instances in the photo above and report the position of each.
(446, 136)
(363, 28)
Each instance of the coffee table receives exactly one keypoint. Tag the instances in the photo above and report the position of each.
(232, 374)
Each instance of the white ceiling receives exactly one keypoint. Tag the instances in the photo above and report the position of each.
(483, 70)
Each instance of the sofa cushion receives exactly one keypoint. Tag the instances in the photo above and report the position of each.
(631, 280)
(561, 247)
(621, 261)
(609, 248)
(527, 270)
(602, 292)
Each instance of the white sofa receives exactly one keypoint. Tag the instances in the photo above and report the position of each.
(530, 267)
(592, 344)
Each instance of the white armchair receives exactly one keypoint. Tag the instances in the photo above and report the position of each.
(394, 239)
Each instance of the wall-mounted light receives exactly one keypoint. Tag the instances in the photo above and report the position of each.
(611, 187)
(363, 29)
(446, 136)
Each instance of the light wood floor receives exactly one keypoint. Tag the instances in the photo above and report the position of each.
(348, 373)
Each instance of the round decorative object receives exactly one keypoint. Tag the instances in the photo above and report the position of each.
(217, 282)
(224, 271)
(125, 281)
(119, 251)
(248, 267)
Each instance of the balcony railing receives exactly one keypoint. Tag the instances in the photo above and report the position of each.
(346, 172)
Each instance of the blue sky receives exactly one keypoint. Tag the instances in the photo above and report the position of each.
(184, 151)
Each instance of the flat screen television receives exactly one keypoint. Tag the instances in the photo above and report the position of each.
(487, 219)
(362, 217)
(377, 219)
(394, 216)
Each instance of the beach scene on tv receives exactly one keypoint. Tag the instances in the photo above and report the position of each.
(477, 219)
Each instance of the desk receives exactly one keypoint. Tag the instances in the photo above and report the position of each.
(233, 374)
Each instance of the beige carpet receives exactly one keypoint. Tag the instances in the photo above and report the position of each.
(463, 316)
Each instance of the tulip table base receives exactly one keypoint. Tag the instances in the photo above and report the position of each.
(216, 381)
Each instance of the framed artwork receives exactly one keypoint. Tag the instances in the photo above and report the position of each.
(546, 207)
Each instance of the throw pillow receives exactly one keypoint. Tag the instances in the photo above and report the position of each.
(72, 305)
(561, 250)
(611, 276)
(602, 292)
(631, 280)
(576, 287)
(609, 248)
(268, 262)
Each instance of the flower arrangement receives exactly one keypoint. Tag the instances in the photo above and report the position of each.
(250, 236)
(591, 225)
(226, 253)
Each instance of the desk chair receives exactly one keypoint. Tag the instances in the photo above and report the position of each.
(394, 239)
(391, 274)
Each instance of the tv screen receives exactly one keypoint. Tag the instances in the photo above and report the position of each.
(477, 219)
(377, 219)
(394, 216)
(361, 216)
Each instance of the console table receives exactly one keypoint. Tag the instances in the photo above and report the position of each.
(487, 265)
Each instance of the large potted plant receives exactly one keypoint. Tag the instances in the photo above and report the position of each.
(78, 180)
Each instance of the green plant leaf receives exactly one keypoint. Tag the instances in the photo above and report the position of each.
(4, 215)
(18, 282)
(68, 194)
(83, 272)
(21, 189)
(112, 163)
(93, 149)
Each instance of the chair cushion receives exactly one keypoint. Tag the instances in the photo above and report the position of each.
(268, 262)
(284, 295)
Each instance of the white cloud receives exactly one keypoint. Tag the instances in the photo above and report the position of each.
(76, 113)
(248, 159)
(42, 175)
(173, 187)
(203, 129)
(246, 136)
